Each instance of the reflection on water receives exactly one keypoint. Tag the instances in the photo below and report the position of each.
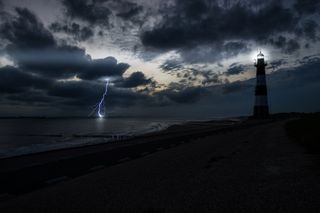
(21, 136)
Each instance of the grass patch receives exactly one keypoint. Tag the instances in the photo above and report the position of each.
(306, 132)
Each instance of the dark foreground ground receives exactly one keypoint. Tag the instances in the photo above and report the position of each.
(248, 167)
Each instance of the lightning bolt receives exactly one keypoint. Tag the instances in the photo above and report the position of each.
(101, 103)
(99, 106)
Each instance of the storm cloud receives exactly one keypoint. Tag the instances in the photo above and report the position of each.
(90, 11)
(75, 30)
(13, 80)
(134, 80)
(200, 21)
(235, 69)
(34, 48)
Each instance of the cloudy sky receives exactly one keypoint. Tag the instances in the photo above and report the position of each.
(173, 58)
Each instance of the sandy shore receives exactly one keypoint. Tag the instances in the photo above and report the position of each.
(174, 132)
(253, 168)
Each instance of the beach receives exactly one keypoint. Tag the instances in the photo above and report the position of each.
(250, 166)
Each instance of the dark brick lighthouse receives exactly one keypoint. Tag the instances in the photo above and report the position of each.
(261, 108)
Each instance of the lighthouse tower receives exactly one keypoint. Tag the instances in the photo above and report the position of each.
(261, 108)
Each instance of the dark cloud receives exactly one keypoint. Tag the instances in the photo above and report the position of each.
(275, 64)
(311, 59)
(75, 30)
(235, 48)
(165, 37)
(292, 46)
(134, 80)
(57, 62)
(310, 29)
(211, 78)
(206, 31)
(13, 80)
(103, 68)
(108, 19)
(307, 6)
(189, 75)
(94, 12)
(128, 10)
(280, 42)
(286, 45)
(34, 49)
(100, 12)
(235, 69)
(25, 31)
(171, 65)
(199, 21)
(305, 29)
(213, 53)
(68, 61)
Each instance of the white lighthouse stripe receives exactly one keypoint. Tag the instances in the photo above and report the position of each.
(261, 101)
(261, 80)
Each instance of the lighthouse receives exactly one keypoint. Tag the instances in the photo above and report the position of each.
(261, 108)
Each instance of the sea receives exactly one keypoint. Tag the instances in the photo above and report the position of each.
(20, 136)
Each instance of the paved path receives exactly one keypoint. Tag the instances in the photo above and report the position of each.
(256, 169)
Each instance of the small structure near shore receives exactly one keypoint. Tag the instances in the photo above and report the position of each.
(261, 107)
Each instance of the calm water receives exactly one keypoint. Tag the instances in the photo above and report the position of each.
(22, 136)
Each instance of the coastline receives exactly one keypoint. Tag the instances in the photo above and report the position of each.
(55, 140)
(252, 162)
(172, 132)
(183, 131)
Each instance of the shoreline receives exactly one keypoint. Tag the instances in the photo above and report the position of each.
(92, 140)
(180, 132)
(183, 131)
(55, 141)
